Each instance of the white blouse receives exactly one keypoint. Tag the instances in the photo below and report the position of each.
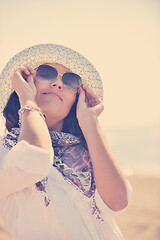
(62, 212)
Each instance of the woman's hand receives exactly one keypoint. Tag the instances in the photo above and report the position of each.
(33, 128)
(89, 106)
(109, 179)
(23, 84)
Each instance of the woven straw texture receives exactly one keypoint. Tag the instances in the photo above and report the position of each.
(50, 53)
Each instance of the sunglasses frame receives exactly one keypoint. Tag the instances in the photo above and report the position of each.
(62, 75)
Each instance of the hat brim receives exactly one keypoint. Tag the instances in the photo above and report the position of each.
(50, 53)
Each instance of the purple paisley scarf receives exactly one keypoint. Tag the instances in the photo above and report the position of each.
(70, 158)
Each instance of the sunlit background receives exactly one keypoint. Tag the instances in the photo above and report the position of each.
(122, 40)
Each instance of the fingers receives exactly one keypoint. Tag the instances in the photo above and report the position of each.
(82, 95)
(30, 81)
(30, 78)
(88, 104)
(90, 92)
(22, 70)
(26, 70)
(93, 101)
(23, 82)
(81, 100)
(98, 109)
(91, 96)
(23, 73)
(31, 70)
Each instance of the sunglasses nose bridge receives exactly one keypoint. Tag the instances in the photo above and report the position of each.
(58, 81)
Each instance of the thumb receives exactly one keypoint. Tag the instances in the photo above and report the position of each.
(82, 95)
(98, 109)
(30, 82)
(81, 99)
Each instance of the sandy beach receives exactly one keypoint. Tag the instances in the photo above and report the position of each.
(141, 220)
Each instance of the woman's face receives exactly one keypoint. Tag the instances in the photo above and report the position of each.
(54, 99)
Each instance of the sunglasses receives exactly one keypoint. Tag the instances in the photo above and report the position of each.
(48, 74)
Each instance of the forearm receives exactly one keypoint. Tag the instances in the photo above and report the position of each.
(109, 179)
(33, 127)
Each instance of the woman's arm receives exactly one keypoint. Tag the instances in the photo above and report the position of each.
(29, 161)
(109, 179)
(23, 166)
(33, 127)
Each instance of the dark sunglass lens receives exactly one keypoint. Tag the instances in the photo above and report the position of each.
(46, 73)
(72, 80)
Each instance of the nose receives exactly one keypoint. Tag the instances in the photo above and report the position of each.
(58, 82)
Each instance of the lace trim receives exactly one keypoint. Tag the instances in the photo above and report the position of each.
(91, 201)
(58, 138)
(81, 179)
(41, 186)
(62, 135)
(11, 139)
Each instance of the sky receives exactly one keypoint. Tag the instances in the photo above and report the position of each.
(120, 38)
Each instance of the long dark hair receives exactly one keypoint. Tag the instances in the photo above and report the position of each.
(70, 124)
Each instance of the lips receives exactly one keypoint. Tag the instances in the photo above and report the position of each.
(53, 94)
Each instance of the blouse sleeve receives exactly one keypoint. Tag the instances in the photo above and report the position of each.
(23, 166)
(104, 209)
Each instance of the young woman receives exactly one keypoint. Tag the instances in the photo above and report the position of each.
(58, 178)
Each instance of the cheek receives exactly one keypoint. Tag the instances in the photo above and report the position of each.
(37, 85)
(71, 101)
(39, 89)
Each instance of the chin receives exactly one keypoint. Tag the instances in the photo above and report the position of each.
(54, 111)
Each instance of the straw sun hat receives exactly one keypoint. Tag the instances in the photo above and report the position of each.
(50, 53)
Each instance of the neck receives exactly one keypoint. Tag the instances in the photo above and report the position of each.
(54, 124)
